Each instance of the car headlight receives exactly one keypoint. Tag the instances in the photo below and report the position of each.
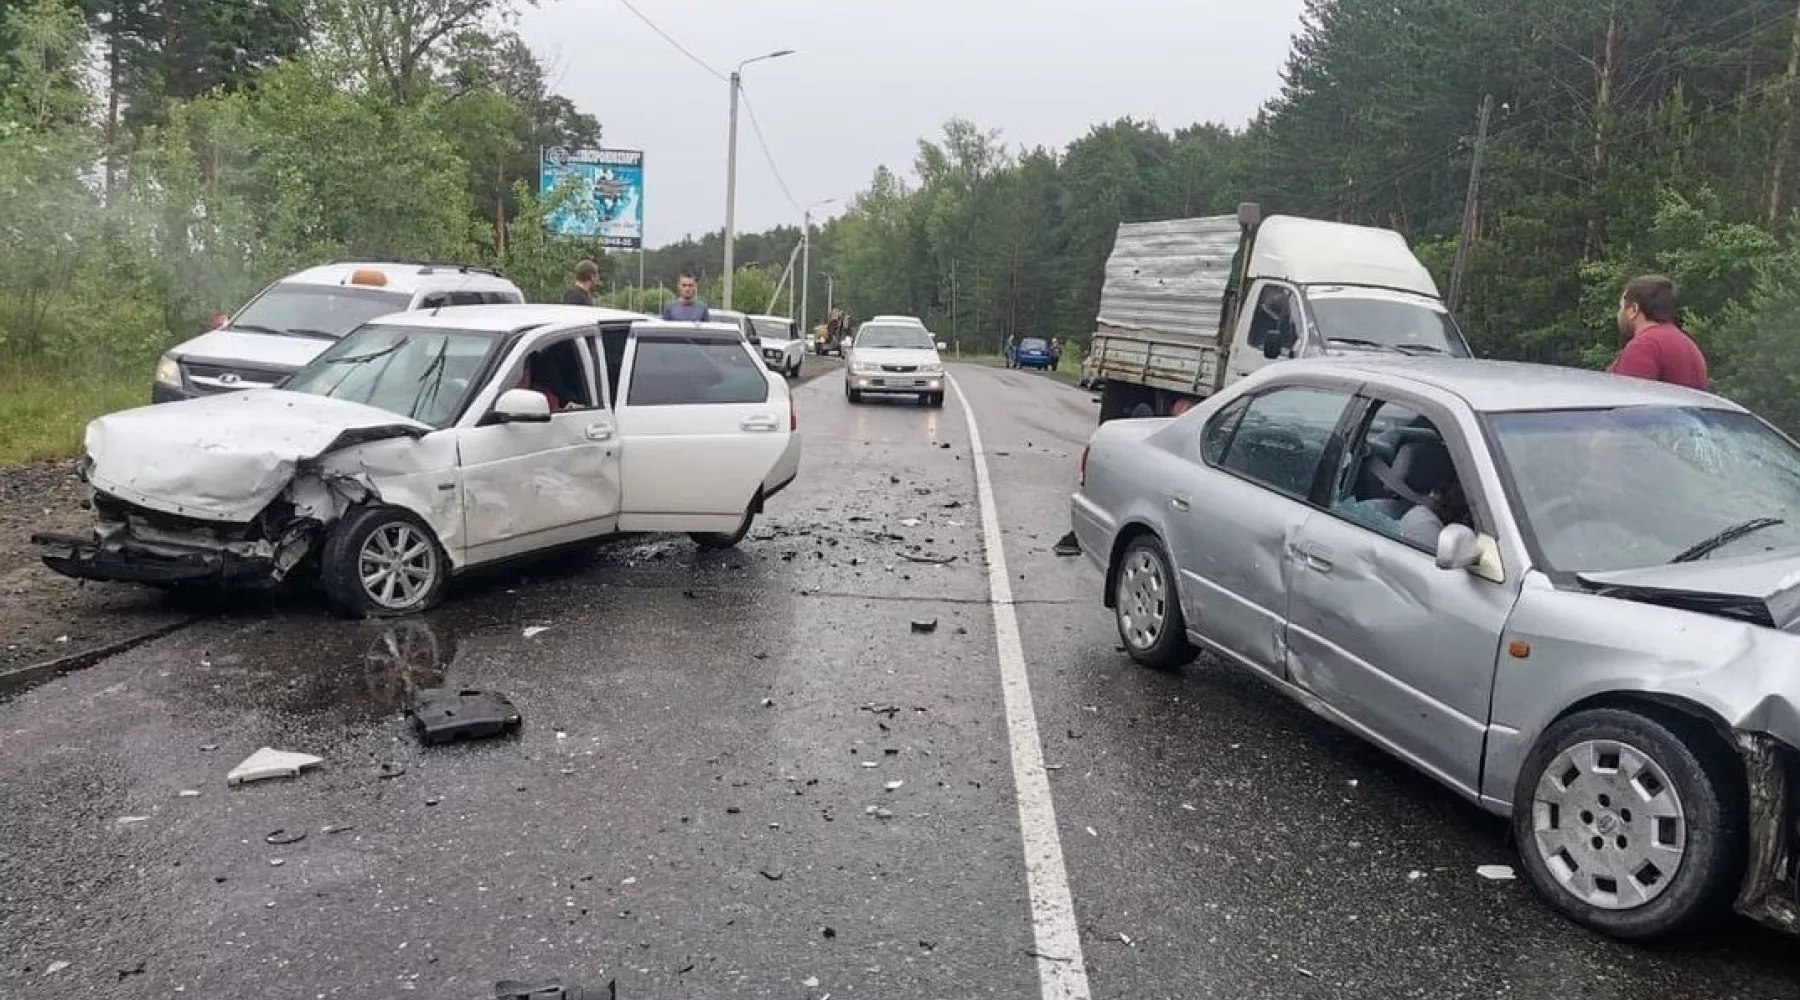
(168, 371)
(932, 369)
(863, 368)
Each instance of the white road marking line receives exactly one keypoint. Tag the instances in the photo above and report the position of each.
(1062, 973)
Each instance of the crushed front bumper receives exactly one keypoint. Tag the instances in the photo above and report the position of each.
(128, 560)
(897, 382)
(1770, 894)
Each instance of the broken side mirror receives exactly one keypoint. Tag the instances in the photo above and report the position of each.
(522, 406)
(1457, 547)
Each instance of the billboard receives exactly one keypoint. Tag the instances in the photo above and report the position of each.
(608, 204)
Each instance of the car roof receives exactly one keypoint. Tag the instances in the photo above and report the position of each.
(507, 318)
(685, 329)
(733, 313)
(778, 319)
(404, 277)
(1491, 386)
(885, 318)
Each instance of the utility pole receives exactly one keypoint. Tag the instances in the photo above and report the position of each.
(1459, 274)
(730, 191)
(806, 257)
(737, 83)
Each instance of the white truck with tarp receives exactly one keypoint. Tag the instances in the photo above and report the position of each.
(1190, 306)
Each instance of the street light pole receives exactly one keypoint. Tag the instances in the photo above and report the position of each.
(806, 257)
(737, 82)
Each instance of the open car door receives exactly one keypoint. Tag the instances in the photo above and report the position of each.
(702, 426)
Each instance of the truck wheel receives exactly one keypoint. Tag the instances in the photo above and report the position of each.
(1142, 410)
(382, 562)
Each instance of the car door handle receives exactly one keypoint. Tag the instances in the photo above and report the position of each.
(1316, 557)
(760, 422)
(1179, 501)
(599, 432)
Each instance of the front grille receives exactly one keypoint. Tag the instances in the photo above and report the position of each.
(900, 369)
(229, 378)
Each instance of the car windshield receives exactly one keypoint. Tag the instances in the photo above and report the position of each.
(1379, 321)
(773, 329)
(1034, 344)
(317, 310)
(896, 336)
(1643, 486)
(422, 373)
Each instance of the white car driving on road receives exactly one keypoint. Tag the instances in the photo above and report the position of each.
(782, 349)
(894, 358)
(425, 444)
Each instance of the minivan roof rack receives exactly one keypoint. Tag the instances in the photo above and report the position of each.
(428, 266)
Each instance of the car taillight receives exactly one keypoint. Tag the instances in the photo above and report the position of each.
(1081, 470)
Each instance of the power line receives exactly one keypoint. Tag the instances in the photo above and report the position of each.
(670, 39)
(756, 129)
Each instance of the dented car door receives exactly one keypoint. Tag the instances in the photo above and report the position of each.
(529, 485)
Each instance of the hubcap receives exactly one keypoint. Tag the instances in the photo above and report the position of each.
(397, 565)
(1143, 599)
(1609, 824)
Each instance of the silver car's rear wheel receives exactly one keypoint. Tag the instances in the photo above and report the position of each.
(1631, 824)
(1147, 606)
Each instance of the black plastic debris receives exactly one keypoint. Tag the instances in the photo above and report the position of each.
(924, 625)
(282, 837)
(553, 989)
(1067, 545)
(443, 716)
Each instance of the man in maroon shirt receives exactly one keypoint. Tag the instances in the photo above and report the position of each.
(1655, 348)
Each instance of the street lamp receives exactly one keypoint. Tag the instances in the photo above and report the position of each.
(806, 256)
(731, 170)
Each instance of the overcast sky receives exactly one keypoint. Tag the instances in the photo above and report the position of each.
(871, 77)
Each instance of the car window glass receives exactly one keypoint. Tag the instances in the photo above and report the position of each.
(610, 343)
(1283, 436)
(1398, 477)
(468, 299)
(426, 374)
(556, 371)
(1275, 311)
(318, 310)
(1219, 428)
(674, 371)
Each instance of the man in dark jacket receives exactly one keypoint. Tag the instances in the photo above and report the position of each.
(581, 293)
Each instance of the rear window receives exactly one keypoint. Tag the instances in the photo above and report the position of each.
(676, 371)
(774, 329)
(1034, 344)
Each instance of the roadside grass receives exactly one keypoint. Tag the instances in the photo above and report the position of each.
(44, 410)
(1069, 371)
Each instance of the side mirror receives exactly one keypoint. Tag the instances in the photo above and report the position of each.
(755, 341)
(522, 406)
(942, 346)
(1457, 547)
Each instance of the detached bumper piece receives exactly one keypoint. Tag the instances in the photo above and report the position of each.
(128, 561)
(441, 716)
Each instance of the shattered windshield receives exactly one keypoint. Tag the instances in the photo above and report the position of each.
(1643, 486)
(1397, 324)
(316, 310)
(897, 337)
(423, 373)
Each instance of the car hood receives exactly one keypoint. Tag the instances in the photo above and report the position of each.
(1763, 589)
(225, 457)
(258, 350)
(896, 356)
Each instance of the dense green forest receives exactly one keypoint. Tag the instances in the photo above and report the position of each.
(162, 159)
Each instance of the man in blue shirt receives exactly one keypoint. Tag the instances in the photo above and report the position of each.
(687, 308)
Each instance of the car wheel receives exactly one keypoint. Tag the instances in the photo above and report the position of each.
(1148, 608)
(382, 562)
(1142, 410)
(723, 540)
(1630, 826)
(935, 401)
(853, 395)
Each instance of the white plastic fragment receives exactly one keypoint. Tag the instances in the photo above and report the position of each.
(54, 967)
(892, 785)
(1495, 873)
(270, 763)
(188, 793)
(133, 820)
(533, 631)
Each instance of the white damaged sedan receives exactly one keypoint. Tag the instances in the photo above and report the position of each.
(425, 444)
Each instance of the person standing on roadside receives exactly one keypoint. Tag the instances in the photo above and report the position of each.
(581, 293)
(687, 308)
(1655, 348)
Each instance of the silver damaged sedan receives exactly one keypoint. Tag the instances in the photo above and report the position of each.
(1573, 598)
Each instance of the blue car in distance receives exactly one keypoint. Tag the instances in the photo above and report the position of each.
(1034, 352)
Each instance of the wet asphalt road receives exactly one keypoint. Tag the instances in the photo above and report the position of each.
(688, 808)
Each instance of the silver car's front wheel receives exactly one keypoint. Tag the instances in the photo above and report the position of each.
(1147, 606)
(1630, 824)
